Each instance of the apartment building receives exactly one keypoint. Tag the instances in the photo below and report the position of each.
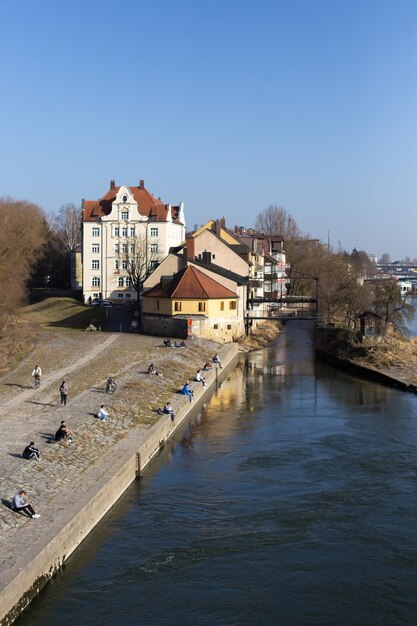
(126, 221)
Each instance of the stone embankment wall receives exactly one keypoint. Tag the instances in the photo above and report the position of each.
(48, 555)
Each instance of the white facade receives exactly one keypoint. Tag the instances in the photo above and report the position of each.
(109, 233)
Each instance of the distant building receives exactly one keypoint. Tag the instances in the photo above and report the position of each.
(111, 225)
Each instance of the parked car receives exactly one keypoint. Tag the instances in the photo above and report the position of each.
(106, 303)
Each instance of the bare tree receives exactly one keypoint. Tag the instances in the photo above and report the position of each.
(275, 220)
(385, 258)
(68, 226)
(140, 259)
(393, 308)
(22, 236)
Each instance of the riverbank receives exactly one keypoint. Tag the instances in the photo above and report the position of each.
(262, 335)
(391, 362)
(73, 486)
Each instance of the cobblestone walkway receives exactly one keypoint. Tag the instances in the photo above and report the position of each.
(65, 472)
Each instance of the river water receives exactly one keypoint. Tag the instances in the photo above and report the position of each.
(292, 500)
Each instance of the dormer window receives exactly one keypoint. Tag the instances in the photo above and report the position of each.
(124, 215)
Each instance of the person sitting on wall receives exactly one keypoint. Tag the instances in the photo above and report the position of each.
(30, 452)
(187, 391)
(199, 379)
(216, 361)
(207, 367)
(168, 343)
(168, 410)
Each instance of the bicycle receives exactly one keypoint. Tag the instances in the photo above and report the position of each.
(111, 386)
(36, 382)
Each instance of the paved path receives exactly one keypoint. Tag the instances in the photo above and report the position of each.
(52, 377)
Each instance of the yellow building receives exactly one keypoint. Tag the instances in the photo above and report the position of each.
(191, 294)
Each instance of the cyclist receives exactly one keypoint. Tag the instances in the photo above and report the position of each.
(111, 385)
(37, 374)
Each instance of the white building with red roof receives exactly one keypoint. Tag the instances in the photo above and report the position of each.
(111, 224)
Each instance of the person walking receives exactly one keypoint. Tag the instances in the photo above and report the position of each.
(64, 392)
(19, 503)
(30, 452)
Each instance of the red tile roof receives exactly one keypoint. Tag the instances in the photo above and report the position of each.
(148, 205)
(190, 283)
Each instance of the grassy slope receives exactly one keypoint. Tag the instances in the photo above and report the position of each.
(63, 314)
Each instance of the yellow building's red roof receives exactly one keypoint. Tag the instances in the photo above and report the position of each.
(190, 283)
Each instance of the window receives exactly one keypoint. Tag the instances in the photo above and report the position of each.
(124, 215)
(232, 305)
(153, 265)
(116, 264)
(95, 232)
(124, 199)
(132, 249)
(124, 248)
(177, 306)
(116, 248)
(154, 247)
(128, 282)
(116, 231)
(229, 327)
(216, 326)
(124, 231)
(95, 281)
(201, 306)
(95, 265)
(157, 305)
(221, 306)
(120, 295)
(127, 295)
(124, 265)
(121, 282)
(154, 232)
(132, 231)
(95, 248)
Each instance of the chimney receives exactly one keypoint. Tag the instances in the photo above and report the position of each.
(185, 255)
(223, 222)
(112, 184)
(142, 184)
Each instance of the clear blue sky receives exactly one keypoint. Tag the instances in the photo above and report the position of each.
(227, 105)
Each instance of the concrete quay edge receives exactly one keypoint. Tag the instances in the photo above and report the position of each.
(364, 371)
(21, 583)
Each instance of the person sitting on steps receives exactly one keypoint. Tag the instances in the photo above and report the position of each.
(30, 452)
(103, 415)
(152, 370)
(63, 433)
(20, 504)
